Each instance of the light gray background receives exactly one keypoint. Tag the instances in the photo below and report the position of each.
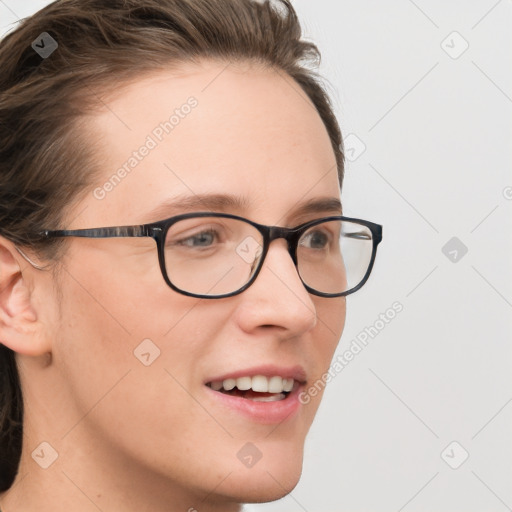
(437, 129)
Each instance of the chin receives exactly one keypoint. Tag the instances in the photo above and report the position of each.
(270, 479)
(261, 487)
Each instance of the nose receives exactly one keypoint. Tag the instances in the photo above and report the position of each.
(278, 297)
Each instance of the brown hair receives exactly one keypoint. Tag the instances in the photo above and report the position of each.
(101, 45)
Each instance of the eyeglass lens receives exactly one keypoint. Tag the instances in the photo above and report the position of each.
(217, 256)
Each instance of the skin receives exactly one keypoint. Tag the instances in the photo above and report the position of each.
(137, 438)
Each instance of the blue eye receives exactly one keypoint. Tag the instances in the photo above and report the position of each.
(202, 239)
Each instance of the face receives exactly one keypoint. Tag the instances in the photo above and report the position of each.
(149, 353)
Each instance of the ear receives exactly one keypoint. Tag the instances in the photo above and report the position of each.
(20, 328)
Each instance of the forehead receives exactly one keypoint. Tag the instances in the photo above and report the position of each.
(211, 128)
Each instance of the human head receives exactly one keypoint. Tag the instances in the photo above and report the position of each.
(50, 159)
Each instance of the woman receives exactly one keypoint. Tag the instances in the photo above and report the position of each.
(173, 257)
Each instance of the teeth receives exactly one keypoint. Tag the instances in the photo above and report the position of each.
(244, 383)
(217, 385)
(275, 385)
(229, 384)
(258, 383)
(287, 384)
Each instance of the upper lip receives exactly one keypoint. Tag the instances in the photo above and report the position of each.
(296, 372)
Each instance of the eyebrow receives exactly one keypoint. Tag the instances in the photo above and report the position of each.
(198, 202)
(224, 203)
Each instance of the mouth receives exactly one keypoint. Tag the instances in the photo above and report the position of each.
(266, 394)
(258, 388)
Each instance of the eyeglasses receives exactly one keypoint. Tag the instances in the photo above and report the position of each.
(217, 255)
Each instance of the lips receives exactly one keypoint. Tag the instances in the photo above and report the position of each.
(256, 406)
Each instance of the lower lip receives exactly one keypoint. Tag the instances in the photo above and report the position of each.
(262, 412)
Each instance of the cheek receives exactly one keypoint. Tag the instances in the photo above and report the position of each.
(331, 315)
(122, 295)
(130, 362)
(112, 324)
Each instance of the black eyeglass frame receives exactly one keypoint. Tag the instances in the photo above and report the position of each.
(158, 231)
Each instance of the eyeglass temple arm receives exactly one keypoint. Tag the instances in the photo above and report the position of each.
(35, 265)
(108, 232)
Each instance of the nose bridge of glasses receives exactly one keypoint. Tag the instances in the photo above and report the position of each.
(289, 234)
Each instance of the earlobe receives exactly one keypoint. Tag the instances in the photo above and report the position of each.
(20, 328)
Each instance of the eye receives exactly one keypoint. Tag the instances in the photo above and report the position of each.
(203, 239)
(317, 239)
